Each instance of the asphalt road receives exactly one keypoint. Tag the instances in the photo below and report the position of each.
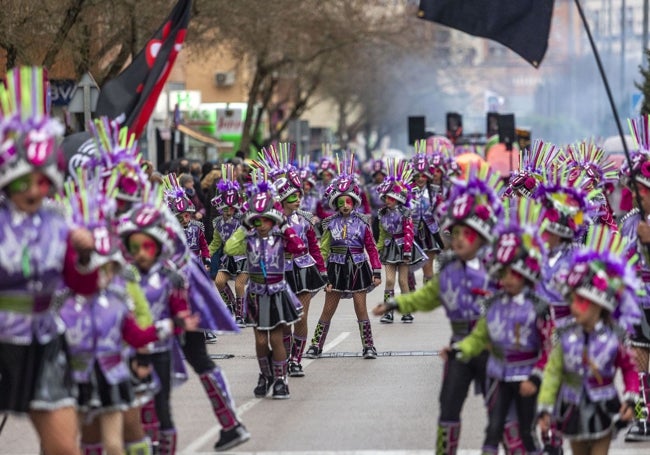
(344, 404)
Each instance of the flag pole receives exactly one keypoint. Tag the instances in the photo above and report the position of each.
(613, 106)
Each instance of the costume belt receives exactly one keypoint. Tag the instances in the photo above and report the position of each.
(24, 303)
(345, 249)
(512, 357)
(594, 382)
(269, 279)
(462, 328)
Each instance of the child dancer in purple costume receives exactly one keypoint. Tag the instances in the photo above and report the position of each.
(38, 246)
(346, 239)
(269, 301)
(578, 388)
(98, 321)
(459, 287)
(517, 326)
(228, 202)
(305, 274)
(398, 251)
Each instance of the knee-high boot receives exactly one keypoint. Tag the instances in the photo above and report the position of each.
(150, 423)
(141, 447)
(367, 342)
(447, 438)
(640, 428)
(411, 281)
(512, 442)
(388, 317)
(318, 340)
(92, 449)
(228, 299)
(240, 313)
(216, 387)
(167, 445)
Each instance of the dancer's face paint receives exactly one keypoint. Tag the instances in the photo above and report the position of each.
(263, 225)
(144, 250)
(27, 192)
(344, 204)
(585, 312)
(465, 241)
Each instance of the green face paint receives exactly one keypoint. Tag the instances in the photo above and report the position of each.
(257, 222)
(292, 198)
(20, 185)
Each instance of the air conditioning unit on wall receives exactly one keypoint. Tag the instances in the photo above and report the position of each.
(224, 79)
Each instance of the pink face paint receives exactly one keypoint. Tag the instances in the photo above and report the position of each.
(581, 304)
(471, 236)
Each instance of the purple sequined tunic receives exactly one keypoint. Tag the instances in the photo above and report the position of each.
(554, 270)
(300, 225)
(597, 379)
(629, 225)
(423, 208)
(462, 284)
(32, 255)
(516, 342)
(94, 332)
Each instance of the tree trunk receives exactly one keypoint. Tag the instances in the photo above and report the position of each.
(70, 19)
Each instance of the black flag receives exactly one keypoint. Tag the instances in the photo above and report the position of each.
(521, 25)
(132, 95)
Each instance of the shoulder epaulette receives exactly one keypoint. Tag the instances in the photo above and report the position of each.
(198, 223)
(175, 278)
(325, 223)
(307, 215)
(363, 217)
(560, 330)
(130, 273)
(542, 307)
(445, 258)
(487, 301)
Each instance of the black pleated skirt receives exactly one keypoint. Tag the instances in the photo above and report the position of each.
(588, 420)
(306, 279)
(36, 377)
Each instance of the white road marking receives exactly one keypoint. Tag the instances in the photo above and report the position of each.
(213, 432)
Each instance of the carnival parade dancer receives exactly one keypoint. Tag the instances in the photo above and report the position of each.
(517, 325)
(636, 232)
(214, 315)
(228, 202)
(310, 194)
(568, 206)
(346, 239)
(269, 301)
(428, 194)
(194, 230)
(38, 247)
(578, 387)
(325, 173)
(100, 319)
(460, 286)
(305, 274)
(375, 200)
(150, 245)
(588, 161)
(116, 158)
(397, 249)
